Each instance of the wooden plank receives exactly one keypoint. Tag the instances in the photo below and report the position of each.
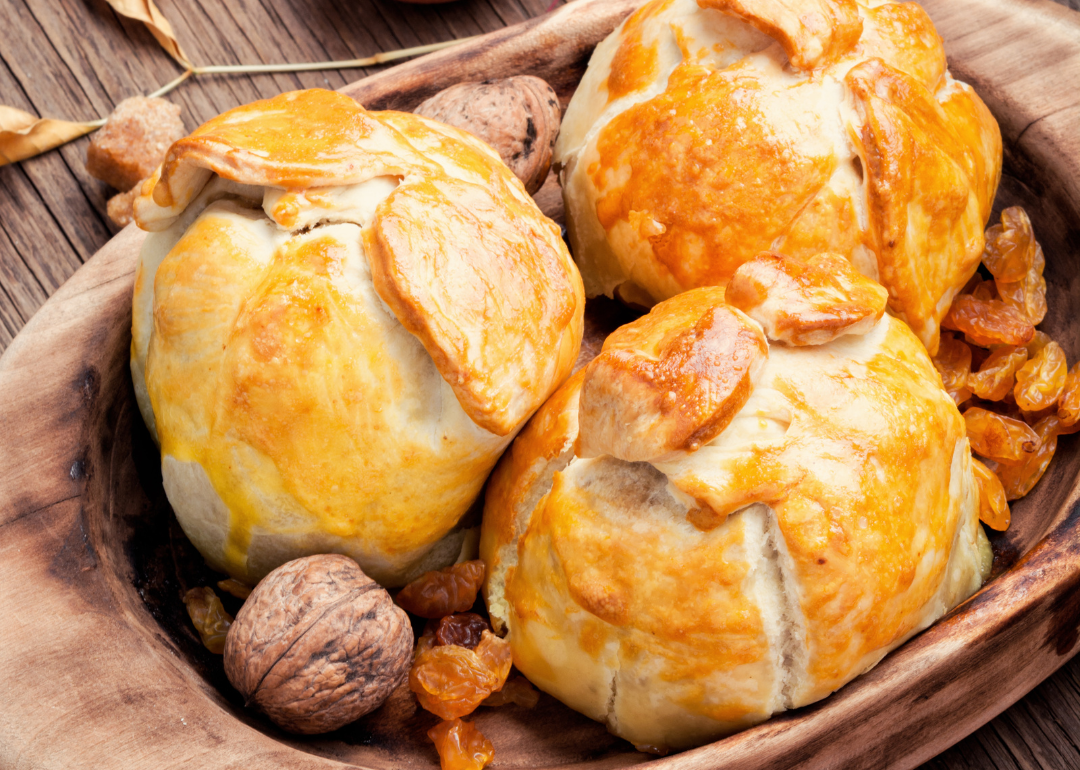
(21, 289)
(1049, 715)
(262, 25)
(40, 242)
(50, 89)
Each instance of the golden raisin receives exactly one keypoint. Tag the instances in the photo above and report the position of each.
(1010, 246)
(996, 376)
(441, 593)
(993, 507)
(1033, 417)
(1061, 429)
(235, 588)
(988, 322)
(1018, 479)
(451, 681)
(463, 629)
(209, 617)
(518, 691)
(984, 290)
(461, 745)
(652, 748)
(1038, 341)
(999, 437)
(1040, 381)
(1069, 403)
(1028, 295)
(953, 362)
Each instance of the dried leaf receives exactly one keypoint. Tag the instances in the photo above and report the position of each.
(23, 135)
(148, 13)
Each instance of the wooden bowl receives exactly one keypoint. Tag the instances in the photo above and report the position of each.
(99, 667)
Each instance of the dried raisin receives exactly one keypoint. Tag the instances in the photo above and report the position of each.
(1069, 403)
(441, 593)
(209, 617)
(451, 681)
(517, 691)
(984, 290)
(998, 437)
(1038, 341)
(235, 588)
(463, 629)
(997, 374)
(993, 506)
(1040, 381)
(1010, 246)
(988, 322)
(1018, 479)
(953, 362)
(461, 745)
(1028, 295)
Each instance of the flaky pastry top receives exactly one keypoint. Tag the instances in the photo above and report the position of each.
(457, 250)
(707, 131)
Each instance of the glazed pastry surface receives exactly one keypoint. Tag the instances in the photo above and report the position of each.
(683, 597)
(706, 131)
(341, 319)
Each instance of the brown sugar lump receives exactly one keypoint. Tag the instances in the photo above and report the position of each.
(121, 207)
(133, 141)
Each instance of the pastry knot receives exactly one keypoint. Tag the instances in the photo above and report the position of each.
(806, 302)
(813, 33)
(670, 381)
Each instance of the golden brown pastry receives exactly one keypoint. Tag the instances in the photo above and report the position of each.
(341, 319)
(706, 131)
(684, 591)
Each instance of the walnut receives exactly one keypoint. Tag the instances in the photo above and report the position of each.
(518, 116)
(318, 644)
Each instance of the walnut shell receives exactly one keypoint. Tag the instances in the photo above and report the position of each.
(318, 644)
(519, 117)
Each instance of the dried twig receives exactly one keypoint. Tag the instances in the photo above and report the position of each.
(23, 135)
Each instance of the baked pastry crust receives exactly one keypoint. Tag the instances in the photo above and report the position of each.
(687, 597)
(669, 382)
(806, 302)
(340, 321)
(706, 132)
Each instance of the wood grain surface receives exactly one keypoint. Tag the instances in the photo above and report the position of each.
(74, 60)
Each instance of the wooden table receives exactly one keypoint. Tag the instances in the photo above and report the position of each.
(75, 59)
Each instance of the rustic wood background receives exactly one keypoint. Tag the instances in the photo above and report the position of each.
(75, 59)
